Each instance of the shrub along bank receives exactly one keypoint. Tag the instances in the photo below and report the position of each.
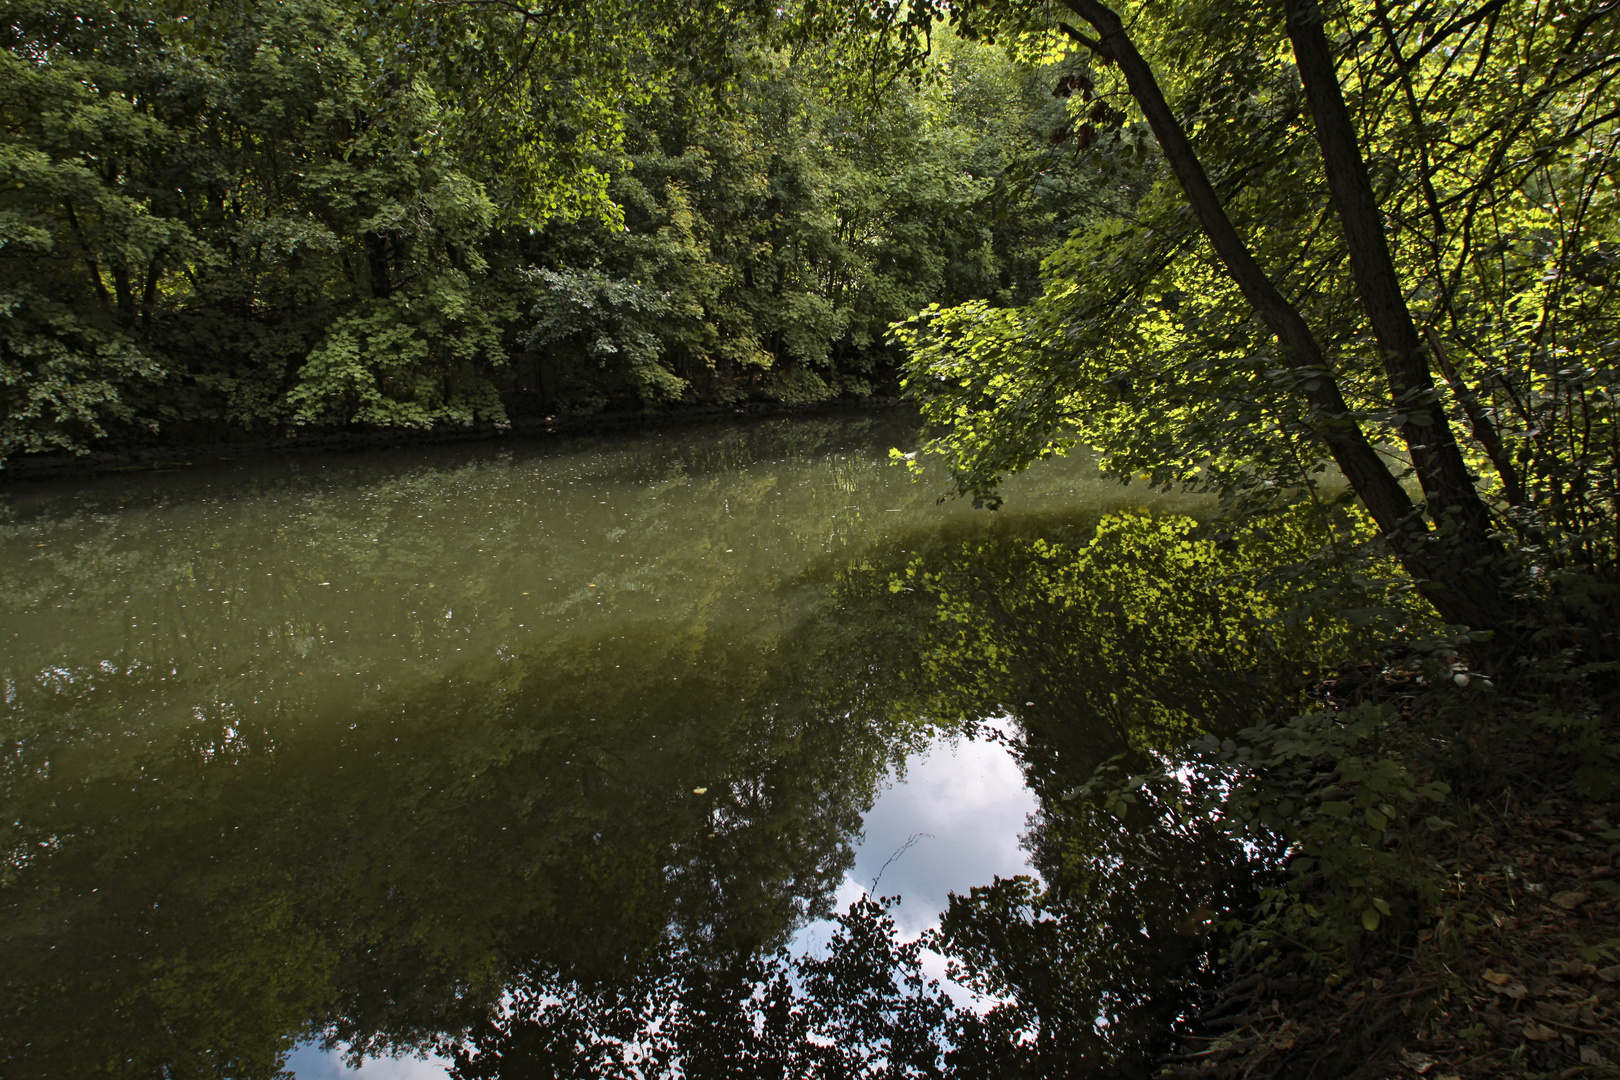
(1480, 852)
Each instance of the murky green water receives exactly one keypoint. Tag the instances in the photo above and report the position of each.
(336, 744)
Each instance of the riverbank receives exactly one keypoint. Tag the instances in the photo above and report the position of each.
(184, 455)
(1512, 970)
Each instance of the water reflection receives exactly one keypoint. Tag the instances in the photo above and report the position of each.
(356, 746)
(1120, 646)
(954, 821)
(951, 821)
(310, 1062)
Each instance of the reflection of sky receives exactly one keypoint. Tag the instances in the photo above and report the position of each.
(313, 1063)
(962, 809)
(965, 805)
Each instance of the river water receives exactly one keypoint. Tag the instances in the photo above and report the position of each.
(333, 745)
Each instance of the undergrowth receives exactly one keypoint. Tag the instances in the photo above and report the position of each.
(1437, 888)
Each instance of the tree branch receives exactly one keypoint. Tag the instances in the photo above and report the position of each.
(89, 255)
(1480, 420)
(1384, 496)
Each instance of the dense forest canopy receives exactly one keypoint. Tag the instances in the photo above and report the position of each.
(248, 219)
(1349, 265)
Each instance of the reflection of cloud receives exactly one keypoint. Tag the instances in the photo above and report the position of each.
(972, 799)
(309, 1062)
(966, 806)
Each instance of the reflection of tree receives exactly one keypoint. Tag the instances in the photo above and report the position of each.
(1127, 642)
(385, 881)
(1121, 641)
(218, 835)
(200, 604)
(1119, 931)
(864, 1009)
(205, 860)
(1121, 648)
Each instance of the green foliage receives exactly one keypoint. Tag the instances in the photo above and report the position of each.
(586, 318)
(238, 218)
(59, 377)
(1489, 135)
(236, 227)
(1321, 793)
(1189, 807)
(1148, 634)
(787, 228)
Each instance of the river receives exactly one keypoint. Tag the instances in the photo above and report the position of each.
(334, 744)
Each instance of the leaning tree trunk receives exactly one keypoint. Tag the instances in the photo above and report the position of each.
(1457, 564)
(1447, 484)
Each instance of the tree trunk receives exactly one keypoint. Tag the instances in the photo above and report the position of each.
(154, 273)
(1436, 457)
(378, 261)
(90, 262)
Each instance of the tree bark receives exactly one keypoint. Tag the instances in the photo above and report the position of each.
(1447, 483)
(121, 289)
(1456, 596)
(90, 262)
(377, 264)
(154, 273)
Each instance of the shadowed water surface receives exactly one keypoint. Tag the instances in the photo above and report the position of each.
(334, 746)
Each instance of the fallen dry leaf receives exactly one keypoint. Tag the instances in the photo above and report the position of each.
(1418, 1063)
(1497, 978)
(1569, 901)
(1539, 1032)
(1514, 990)
(1609, 974)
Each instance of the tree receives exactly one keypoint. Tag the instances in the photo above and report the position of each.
(1324, 235)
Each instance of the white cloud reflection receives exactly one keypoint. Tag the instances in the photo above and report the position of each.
(310, 1062)
(962, 810)
(966, 806)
